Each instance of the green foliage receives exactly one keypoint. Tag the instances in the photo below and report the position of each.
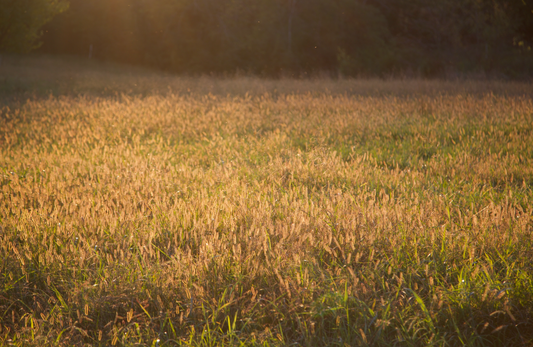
(281, 37)
(21, 22)
(444, 34)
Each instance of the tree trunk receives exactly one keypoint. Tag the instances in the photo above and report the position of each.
(292, 8)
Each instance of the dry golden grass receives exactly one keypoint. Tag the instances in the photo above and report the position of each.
(306, 217)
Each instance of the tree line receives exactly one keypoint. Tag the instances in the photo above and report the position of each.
(271, 37)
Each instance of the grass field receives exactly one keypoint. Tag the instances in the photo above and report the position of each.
(138, 209)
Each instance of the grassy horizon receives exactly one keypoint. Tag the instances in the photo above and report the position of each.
(145, 209)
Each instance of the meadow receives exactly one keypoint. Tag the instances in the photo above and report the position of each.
(144, 209)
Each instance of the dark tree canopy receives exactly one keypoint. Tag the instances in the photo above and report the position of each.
(21, 22)
(298, 36)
